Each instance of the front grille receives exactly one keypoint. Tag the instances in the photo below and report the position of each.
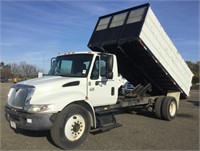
(18, 95)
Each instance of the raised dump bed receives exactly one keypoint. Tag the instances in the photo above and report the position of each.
(145, 52)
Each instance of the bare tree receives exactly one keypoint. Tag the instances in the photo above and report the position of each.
(4, 71)
(15, 70)
(22, 70)
(28, 70)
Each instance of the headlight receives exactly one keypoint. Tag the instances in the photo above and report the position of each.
(33, 108)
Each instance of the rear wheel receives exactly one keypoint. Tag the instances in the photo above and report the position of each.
(158, 106)
(71, 127)
(169, 108)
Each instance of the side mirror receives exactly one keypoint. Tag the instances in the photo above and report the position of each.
(53, 62)
(109, 67)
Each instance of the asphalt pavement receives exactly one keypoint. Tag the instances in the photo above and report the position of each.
(139, 131)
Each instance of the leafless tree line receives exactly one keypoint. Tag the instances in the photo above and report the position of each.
(19, 70)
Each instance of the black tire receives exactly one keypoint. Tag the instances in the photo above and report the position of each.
(169, 108)
(158, 106)
(71, 127)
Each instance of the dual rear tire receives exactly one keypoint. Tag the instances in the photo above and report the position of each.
(166, 108)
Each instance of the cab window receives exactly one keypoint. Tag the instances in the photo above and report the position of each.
(95, 70)
(103, 66)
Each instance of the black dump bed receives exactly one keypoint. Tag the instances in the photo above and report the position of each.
(118, 33)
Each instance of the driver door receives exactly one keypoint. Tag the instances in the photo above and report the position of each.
(101, 91)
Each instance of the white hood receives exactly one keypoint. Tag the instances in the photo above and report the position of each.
(57, 91)
(49, 83)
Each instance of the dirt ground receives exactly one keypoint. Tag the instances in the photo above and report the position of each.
(141, 131)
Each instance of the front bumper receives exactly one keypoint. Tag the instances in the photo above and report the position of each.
(23, 120)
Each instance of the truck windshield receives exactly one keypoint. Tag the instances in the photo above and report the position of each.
(75, 65)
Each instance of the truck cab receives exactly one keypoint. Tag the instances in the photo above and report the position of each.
(87, 80)
(93, 73)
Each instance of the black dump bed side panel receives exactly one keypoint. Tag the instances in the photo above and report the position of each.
(118, 33)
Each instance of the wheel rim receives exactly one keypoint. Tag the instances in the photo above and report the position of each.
(74, 127)
(172, 109)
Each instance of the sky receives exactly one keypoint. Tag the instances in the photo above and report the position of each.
(34, 31)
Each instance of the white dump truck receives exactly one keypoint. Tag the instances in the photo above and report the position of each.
(81, 93)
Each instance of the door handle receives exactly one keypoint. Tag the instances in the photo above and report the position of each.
(113, 91)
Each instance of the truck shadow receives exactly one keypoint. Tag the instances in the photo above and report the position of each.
(153, 115)
(195, 103)
(182, 115)
(147, 114)
(35, 134)
(140, 112)
(32, 133)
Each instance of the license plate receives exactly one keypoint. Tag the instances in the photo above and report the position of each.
(13, 124)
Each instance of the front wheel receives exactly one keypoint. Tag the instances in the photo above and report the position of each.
(71, 127)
